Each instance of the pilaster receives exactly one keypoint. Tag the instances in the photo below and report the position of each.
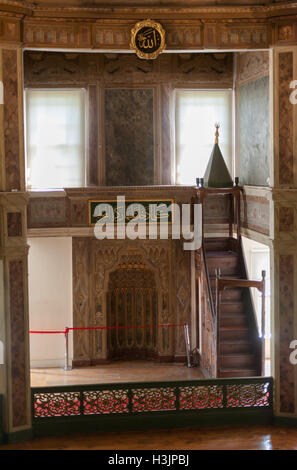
(14, 324)
(284, 252)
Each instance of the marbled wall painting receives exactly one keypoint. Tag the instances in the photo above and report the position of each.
(286, 123)
(18, 348)
(48, 212)
(286, 333)
(14, 224)
(254, 151)
(129, 137)
(11, 119)
(255, 213)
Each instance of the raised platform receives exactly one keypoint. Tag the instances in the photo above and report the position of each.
(144, 405)
(115, 372)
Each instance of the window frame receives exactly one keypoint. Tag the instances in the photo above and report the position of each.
(86, 132)
(232, 112)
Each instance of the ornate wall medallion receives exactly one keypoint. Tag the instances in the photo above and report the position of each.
(147, 39)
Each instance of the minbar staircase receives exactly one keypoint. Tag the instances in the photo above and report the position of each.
(239, 348)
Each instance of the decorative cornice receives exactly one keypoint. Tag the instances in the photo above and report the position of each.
(15, 6)
(190, 27)
(120, 11)
(91, 191)
(189, 10)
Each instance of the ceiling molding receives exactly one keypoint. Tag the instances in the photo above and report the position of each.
(46, 24)
(146, 8)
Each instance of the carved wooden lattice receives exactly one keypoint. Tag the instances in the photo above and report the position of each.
(192, 398)
(105, 402)
(47, 405)
(247, 395)
(132, 304)
(153, 399)
(182, 396)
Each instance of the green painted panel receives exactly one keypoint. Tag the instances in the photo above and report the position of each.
(254, 134)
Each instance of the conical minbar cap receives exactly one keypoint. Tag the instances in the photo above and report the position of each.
(217, 174)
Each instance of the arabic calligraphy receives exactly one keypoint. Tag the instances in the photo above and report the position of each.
(140, 211)
(148, 39)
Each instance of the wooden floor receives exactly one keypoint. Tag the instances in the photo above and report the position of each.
(117, 371)
(220, 438)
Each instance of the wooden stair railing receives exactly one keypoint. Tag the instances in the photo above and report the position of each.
(231, 344)
(223, 283)
(234, 211)
(209, 358)
(209, 353)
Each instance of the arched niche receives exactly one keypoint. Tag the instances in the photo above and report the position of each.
(132, 305)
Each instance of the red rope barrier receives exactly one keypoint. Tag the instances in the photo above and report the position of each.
(43, 332)
(66, 331)
(122, 327)
(108, 328)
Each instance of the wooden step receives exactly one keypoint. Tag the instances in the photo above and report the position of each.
(237, 361)
(217, 244)
(237, 351)
(226, 261)
(233, 320)
(235, 346)
(230, 372)
(220, 244)
(221, 254)
(231, 307)
(231, 294)
(233, 333)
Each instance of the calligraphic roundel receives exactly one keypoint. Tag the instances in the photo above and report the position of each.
(148, 39)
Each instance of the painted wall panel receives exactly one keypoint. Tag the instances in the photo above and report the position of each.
(254, 132)
(129, 137)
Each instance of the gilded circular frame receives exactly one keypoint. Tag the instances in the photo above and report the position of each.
(148, 39)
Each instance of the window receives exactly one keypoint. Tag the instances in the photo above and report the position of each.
(197, 111)
(257, 258)
(260, 260)
(55, 138)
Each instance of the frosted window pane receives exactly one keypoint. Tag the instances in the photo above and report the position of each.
(55, 138)
(197, 111)
(260, 260)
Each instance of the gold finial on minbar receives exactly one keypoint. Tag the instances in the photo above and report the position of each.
(217, 132)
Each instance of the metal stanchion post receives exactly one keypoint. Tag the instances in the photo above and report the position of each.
(188, 348)
(67, 366)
